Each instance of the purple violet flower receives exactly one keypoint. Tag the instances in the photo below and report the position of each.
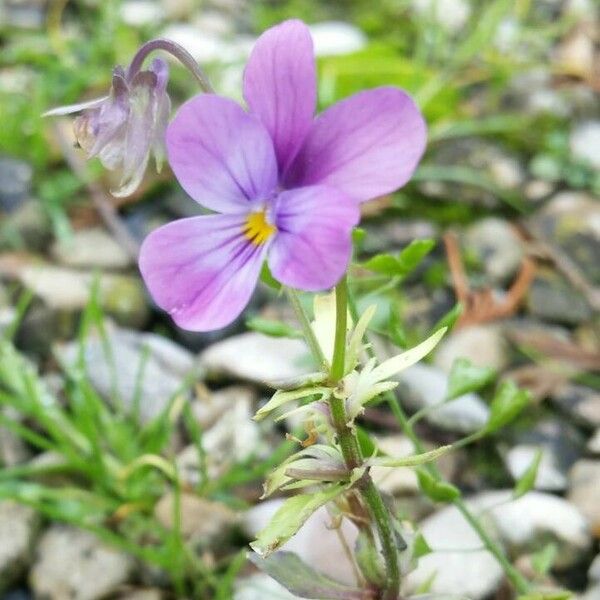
(287, 185)
(125, 127)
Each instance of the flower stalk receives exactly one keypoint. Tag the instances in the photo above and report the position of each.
(352, 455)
(179, 52)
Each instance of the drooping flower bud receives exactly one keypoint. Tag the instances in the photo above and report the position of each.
(125, 127)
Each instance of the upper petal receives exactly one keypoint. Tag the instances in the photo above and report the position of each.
(280, 86)
(312, 247)
(222, 157)
(201, 270)
(367, 145)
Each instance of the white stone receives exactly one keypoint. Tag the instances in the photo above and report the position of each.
(257, 358)
(452, 15)
(138, 13)
(550, 477)
(336, 38)
(585, 143)
(207, 47)
(520, 525)
(397, 480)
(483, 345)
(427, 386)
(18, 526)
(74, 564)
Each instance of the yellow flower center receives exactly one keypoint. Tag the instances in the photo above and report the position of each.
(258, 230)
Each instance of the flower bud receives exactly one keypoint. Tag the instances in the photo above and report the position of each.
(125, 127)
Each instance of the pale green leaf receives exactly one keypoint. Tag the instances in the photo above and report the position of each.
(508, 402)
(439, 491)
(280, 398)
(399, 363)
(409, 461)
(466, 377)
(290, 517)
(526, 482)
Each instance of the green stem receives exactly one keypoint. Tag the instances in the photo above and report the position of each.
(352, 454)
(307, 330)
(341, 328)
(518, 581)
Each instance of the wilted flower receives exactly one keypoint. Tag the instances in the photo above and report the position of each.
(125, 127)
(287, 185)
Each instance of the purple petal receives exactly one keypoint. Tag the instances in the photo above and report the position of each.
(313, 243)
(280, 86)
(201, 270)
(221, 156)
(367, 145)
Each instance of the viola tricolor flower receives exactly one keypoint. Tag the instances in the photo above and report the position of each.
(287, 186)
(125, 127)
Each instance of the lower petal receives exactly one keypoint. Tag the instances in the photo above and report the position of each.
(313, 244)
(201, 270)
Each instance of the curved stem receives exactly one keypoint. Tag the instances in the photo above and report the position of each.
(352, 454)
(179, 52)
(518, 581)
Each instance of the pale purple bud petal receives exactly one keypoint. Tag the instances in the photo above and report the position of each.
(125, 127)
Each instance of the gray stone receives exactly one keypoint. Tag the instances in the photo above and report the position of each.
(72, 563)
(164, 371)
(18, 528)
(483, 345)
(456, 566)
(257, 358)
(561, 446)
(581, 403)
(425, 386)
(62, 289)
(91, 248)
(15, 182)
(28, 226)
(594, 570)
(584, 491)
(497, 247)
(592, 593)
(552, 298)
(572, 221)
